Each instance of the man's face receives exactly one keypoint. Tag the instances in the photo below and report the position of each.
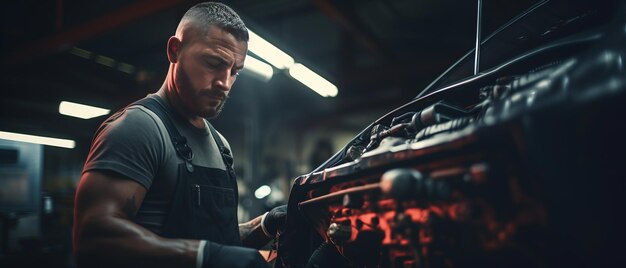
(207, 66)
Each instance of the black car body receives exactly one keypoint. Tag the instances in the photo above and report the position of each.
(517, 165)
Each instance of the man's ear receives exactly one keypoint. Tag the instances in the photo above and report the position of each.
(173, 48)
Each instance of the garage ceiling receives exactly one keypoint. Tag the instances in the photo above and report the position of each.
(379, 53)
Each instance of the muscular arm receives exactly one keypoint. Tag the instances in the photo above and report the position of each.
(105, 236)
(252, 235)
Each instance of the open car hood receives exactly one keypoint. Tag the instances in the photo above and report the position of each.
(516, 166)
(554, 29)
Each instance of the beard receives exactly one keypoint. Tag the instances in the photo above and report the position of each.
(195, 101)
(211, 114)
(209, 110)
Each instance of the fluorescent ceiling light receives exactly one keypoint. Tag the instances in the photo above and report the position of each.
(81, 110)
(281, 60)
(313, 80)
(37, 139)
(262, 192)
(269, 52)
(81, 52)
(258, 69)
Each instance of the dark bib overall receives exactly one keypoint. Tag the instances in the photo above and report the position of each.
(204, 203)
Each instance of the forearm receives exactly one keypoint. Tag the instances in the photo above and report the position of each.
(117, 242)
(252, 234)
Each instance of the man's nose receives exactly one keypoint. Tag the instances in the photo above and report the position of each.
(224, 80)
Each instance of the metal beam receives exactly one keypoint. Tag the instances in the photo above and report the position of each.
(479, 13)
(106, 23)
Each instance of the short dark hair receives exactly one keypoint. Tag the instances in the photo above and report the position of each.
(218, 14)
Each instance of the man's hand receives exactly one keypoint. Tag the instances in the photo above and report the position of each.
(274, 220)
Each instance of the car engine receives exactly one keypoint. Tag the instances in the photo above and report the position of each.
(517, 166)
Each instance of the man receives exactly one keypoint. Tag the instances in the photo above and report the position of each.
(158, 188)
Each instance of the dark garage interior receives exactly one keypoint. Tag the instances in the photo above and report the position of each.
(380, 55)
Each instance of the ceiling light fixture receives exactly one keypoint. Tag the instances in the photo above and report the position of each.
(258, 69)
(269, 52)
(37, 139)
(281, 60)
(262, 192)
(312, 80)
(81, 110)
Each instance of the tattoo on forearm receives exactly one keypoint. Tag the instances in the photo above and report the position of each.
(251, 233)
(245, 229)
(130, 208)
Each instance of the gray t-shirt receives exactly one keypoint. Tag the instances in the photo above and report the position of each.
(137, 145)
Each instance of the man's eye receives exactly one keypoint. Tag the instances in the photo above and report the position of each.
(213, 64)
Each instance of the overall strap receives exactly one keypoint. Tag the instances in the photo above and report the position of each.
(179, 141)
(226, 157)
